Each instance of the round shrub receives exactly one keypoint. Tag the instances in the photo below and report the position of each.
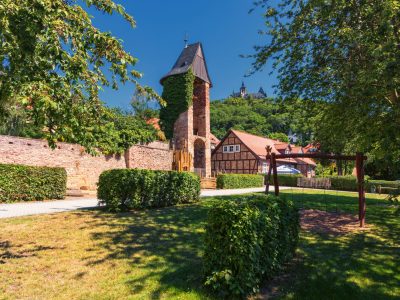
(123, 189)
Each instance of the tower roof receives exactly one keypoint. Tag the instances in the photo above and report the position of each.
(192, 56)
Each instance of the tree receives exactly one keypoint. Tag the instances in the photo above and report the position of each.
(53, 63)
(346, 53)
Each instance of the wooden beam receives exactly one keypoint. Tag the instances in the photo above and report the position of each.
(276, 183)
(268, 177)
(361, 188)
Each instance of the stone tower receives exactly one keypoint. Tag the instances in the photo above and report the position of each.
(192, 128)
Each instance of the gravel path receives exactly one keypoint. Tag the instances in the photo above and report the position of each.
(47, 207)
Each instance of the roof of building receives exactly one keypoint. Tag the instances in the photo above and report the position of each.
(213, 139)
(155, 122)
(192, 56)
(257, 145)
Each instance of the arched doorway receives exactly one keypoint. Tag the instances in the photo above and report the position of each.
(200, 157)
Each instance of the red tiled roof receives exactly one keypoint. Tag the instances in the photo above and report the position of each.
(213, 139)
(257, 144)
(155, 122)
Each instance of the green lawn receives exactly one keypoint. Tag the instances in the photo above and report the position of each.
(156, 254)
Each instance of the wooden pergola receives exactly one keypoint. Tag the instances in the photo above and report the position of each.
(359, 158)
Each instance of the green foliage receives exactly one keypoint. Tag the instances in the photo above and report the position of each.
(178, 95)
(279, 136)
(265, 117)
(236, 181)
(247, 241)
(345, 53)
(25, 183)
(124, 131)
(54, 62)
(134, 188)
(287, 180)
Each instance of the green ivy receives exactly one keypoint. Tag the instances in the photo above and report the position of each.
(178, 95)
(25, 183)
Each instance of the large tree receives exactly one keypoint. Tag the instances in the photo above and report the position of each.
(53, 62)
(347, 53)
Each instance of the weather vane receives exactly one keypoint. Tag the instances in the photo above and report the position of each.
(186, 40)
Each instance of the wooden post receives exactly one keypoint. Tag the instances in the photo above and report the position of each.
(268, 176)
(276, 184)
(361, 190)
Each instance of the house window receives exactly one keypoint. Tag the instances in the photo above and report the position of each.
(231, 148)
(264, 168)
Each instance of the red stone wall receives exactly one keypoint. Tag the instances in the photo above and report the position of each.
(83, 169)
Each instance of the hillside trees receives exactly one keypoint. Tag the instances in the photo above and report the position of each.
(53, 62)
(265, 117)
(346, 53)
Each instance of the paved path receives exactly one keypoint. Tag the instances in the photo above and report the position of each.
(47, 207)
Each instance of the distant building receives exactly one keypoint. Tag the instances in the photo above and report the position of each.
(244, 94)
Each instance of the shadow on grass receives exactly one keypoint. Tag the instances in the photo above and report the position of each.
(162, 246)
(363, 265)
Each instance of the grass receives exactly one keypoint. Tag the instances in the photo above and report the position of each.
(156, 254)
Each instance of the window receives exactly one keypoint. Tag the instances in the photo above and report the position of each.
(231, 148)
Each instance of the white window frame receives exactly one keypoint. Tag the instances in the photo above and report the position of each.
(231, 148)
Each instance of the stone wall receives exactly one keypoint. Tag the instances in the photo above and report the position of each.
(83, 169)
(153, 156)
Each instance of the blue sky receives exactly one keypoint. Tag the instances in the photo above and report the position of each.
(223, 26)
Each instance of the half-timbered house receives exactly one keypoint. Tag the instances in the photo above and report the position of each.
(243, 153)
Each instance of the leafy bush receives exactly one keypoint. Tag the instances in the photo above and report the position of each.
(247, 241)
(237, 181)
(25, 183)
(383, 186)
(287, 180)
(123, 189)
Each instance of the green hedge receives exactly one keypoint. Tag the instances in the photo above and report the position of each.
(247, 241)
(237, 181)
(134, 188)
(344, 183)
(287, 180)
(25, 183)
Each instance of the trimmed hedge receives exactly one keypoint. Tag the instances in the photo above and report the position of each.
(123, 189)
(247, 241)
(237, 181)
(26, 183)
(286, 180)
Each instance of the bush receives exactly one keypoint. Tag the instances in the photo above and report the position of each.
(383, 186)
(247, 241)
(133, 188)
(25, 183)
(287, 180)
(237, 181)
